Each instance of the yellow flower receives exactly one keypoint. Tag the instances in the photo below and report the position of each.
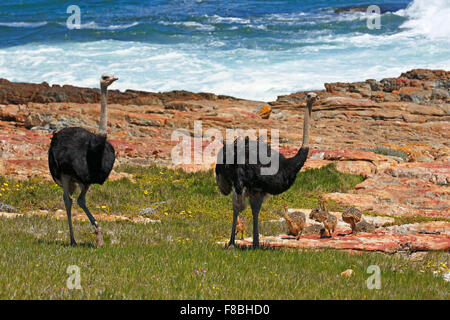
(422, 271)
(145, 192)
(103, 207)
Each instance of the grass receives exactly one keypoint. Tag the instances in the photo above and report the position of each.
(179, 258)
(399, 220)
(154, 184)
(390, 152)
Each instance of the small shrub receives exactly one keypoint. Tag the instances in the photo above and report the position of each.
(389, 152)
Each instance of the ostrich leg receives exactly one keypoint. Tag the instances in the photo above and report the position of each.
(82, 203)
(256, 203)
(68, 203)
(233, 227)
(238, 206)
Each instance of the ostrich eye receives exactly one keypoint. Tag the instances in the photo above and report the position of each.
(105, 78)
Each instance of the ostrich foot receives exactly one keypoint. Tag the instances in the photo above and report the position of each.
(99, 233)
(73, 243)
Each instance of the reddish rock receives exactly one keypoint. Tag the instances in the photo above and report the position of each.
(380, 241)
(426, 74)
(141, 125)
(363, 168)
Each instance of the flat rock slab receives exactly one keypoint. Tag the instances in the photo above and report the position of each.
(413, 237)
(388, 243)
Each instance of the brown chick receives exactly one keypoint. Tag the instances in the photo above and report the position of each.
(352, 216)
(322, 215)
(364, 226)
(296, 221)
(241, 225)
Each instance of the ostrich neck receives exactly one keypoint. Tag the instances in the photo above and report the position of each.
(286, 213)
(103, 112)
(299, 159)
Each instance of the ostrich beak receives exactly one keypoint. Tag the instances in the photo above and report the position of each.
(114, 79)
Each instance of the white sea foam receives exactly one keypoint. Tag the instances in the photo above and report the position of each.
(23, 24)
(219, 19)
(428, 17)
(248, 73)
(190, 24)
(251, 74)
(95, 26)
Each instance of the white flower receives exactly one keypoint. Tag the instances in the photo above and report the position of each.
(446, 276)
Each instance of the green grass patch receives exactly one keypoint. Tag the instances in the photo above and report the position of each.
(188, 194)
(389, 152)
(406, 219)
(179, 258)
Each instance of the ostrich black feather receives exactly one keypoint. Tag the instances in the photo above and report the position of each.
(86, 157)
(244, 173)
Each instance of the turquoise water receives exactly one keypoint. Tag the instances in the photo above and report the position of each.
(252, 49)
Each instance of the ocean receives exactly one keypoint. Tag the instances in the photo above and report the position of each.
(256, 49)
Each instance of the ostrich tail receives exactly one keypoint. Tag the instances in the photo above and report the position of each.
(224, 184)
(223, 176)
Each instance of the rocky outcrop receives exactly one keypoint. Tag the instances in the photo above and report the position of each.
(418, 86)
(405, 238)
(408, 116)
(23, 93)
(384, 240)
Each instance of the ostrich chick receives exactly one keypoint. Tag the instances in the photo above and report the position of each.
(296, 222)
(364, 226)
(322, 215)
(352, 216)
(241, 225)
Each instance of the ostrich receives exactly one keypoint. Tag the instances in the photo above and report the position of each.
(241, 225)
(322, 215)
(247, 181)
(352, 216)
(296, 221)
(80, 157)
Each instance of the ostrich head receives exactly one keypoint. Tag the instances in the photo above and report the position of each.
(107, 79)
(311, 97)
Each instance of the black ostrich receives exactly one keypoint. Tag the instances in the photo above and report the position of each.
(80, 157)
(246, 178)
